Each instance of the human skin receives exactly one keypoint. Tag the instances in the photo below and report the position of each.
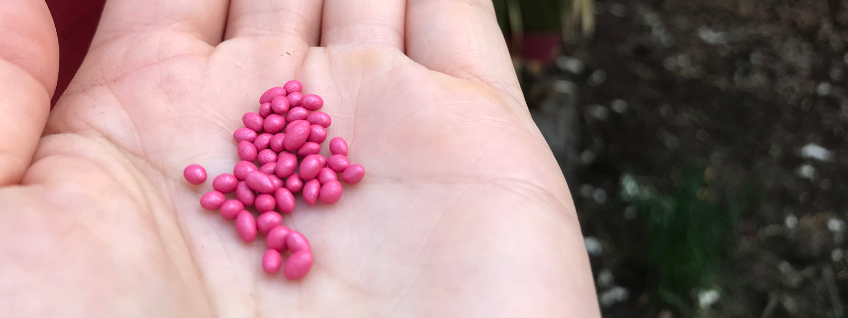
(463, 211)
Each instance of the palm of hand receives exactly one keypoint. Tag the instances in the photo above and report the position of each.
(462, 212)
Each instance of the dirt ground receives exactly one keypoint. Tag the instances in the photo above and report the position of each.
(748, 94)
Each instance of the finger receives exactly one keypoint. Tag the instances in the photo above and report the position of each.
(363, 22)
(29, 66)
(461, 38)
(203, 19)
(298, 20)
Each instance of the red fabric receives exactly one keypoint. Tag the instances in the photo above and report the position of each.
(76, 21)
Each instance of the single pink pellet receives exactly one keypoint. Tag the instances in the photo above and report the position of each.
(285, 200)
(246, 226)
(247, 151)
(296, 113)
(327, 174)
(244, 134)
(278, 183)
(195, 174)
(298, 265)
(296, 134)
(338, 146)
(253, 121)
(294, 183)
(269, 167)
(265, 110)
(265, 202)
(338, 163)
(245, 194)
(225, 183)
(242, 168)
(269, 95)
(286, 164)
(310, 166)
(353, 174)
(310, 191)
(330, 192)
(231, 208)
(317, 133)
(293, 86)
(295, 99)
(274, 123)
(267, 221)
(309, 148)
(212, 200)
(266, 156)
(312, 102)
(263, 141)
(260, 182)
(276, 238)
(272, 261)
(296, 242)
(280, 104)
(277, 142)
(319, 118)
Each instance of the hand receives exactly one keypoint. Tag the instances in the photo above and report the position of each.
(463, 211)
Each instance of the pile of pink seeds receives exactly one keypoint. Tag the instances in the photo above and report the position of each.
(284, 138)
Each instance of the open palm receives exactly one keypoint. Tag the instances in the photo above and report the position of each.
(463, 211)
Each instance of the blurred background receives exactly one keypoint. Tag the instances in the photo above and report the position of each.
(703, 142)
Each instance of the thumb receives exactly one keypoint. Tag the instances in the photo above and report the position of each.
(29, 66)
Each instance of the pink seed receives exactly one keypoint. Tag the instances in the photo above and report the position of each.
(253, 121)
(286, 164)
(310, 191)
(266, 156)
(265, 202)
(319, 118)
(269, 167)
(225, 183)
(274, 123)
(231, 209)
(242, 168)
(212, 200)
(353, 174)
(296, 242)
(317, 133)
(338, 146)
(265, 110)
(244, 134)
(277, 142)
(310, 166)
(246, 226)
(296, 134)
(293, 86)
(276, 238)
(285, 200)
(294, 99)
(327, 174)
(312, 102)
(309, 148)
(296, 113)
(280, 104)
(294, 183)
(195, 174)
(272, 261)
(269, 95)
(267, 221)
(338, 162)
(260, 182)
(246, 151)
(245, 194)
(278, 183)
(298, 265)
(262, 141)
(330, 192)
